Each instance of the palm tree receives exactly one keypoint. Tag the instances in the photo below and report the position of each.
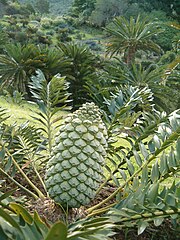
(128, 37)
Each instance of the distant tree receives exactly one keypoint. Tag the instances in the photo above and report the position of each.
(4, 2)
(29, 7)
(15, 7)
(170, 7)
(85, 7)
(106, 10)
(42, 6)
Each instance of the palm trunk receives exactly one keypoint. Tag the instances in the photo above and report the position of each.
(129, 56)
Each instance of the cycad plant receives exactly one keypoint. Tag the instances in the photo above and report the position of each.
(140, 163)
(130, 36)
(151, 77)
(17, 64)
(54, 62)
(25, 147)
(20, 147)
(51, 97)
(18, 223)
(82, 70)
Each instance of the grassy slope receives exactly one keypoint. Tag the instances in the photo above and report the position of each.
(18, 112)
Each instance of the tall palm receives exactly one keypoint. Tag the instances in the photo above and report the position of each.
(128, 37)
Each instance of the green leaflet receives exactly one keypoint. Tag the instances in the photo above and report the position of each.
(57, 232)
(142, 225)
(22, 211)
(153, 192)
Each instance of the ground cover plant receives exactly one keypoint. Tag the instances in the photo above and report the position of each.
(89, 129)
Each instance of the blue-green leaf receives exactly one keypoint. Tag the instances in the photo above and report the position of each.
(130, 167)
(115, 180)
(2, 154)
(144, 178)
(7, 217)
(123, 174)
(137, 157)
(153, 192)
(8, 164)
(158, 221)
(151, 147)
(142, 225)
(157, 141)
(155, 172)
(163, 164)
(144, 151)
(177, 152)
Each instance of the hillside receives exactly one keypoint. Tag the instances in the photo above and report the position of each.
(2, 9)
(61, 6)
(56, 6)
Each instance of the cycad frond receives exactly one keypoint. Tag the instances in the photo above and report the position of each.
(141, 170)
(51, 97)
(18, 64)
(82, 71)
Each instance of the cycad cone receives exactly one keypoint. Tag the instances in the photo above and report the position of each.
(74, 171)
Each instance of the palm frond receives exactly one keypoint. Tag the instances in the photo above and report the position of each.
(82, 71)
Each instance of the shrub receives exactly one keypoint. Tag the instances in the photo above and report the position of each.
(165, 39)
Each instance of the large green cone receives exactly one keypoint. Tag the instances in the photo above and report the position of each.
(74, 171)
